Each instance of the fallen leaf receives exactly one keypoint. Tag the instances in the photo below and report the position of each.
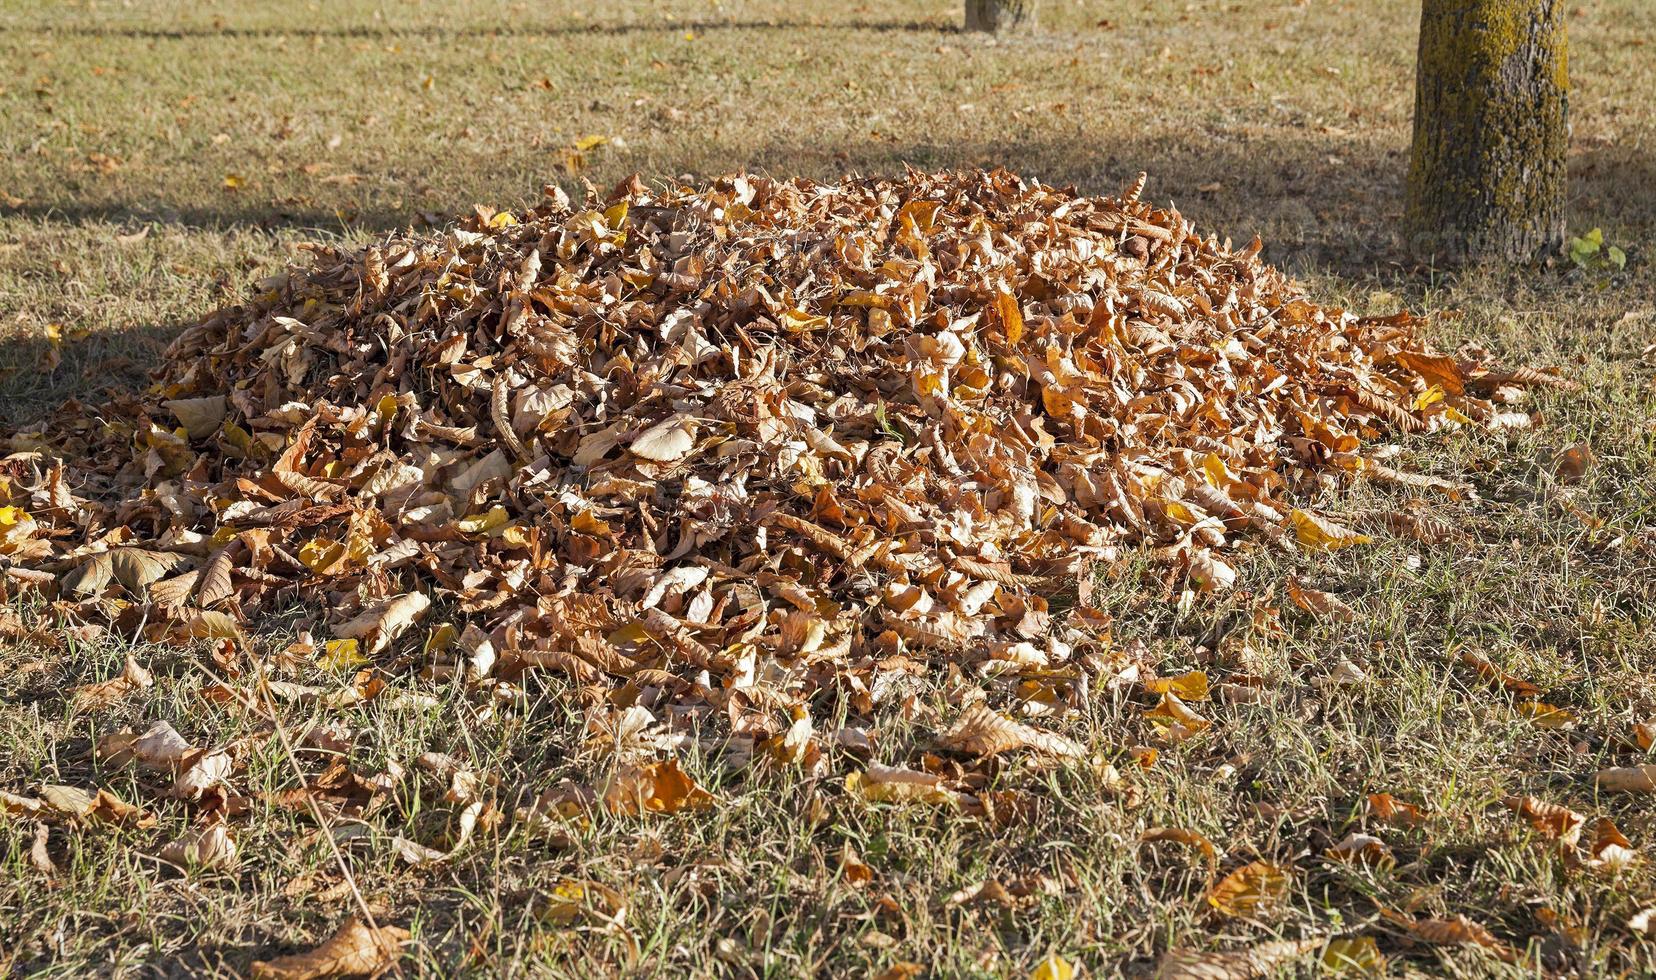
(1359, 955)
(1324, 604)
(982, 731)
(661, 787)
(384, 621)
(1321, 534)
(1251, 888)
(1054, 967)
(1549, 819)
(1627, 779)
(354, 950)
(1361, 849)
(206, 847)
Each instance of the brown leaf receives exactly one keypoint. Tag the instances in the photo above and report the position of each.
(354, 950)
(96, 697)
(384, 621)
(981, 731)
(1324, 604)
(1549, 819)
(206, 847)
(1627, 779)
(1460, 931)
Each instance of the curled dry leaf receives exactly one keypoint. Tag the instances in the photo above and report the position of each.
(1053, 967)
(1460, 931)
(1324, 604)
(1627, 779)
(355, 950)
(1550, 820)
(39, 853)
(1389, 809)
(1176, 719)
(1608, 849)
(1358, 955)
(983, 731)
(205, 847)
(384, 621)
(1361, 849)
(92, 806)
(1322, 534)
(1190, 686)
(895, 784)
(1643, 923)
(1189, 838)
(95, 697)
(1251, 888)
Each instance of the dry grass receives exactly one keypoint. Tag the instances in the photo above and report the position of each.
(1286, 120)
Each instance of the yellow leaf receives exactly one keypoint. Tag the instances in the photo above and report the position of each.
(1357, 955)
(1011, 316)
(496, 518)
(592, 142)
(1054, 967)
(1429, 397)
(1546, 716)
(1250, 888)
(503, 219)
(233, 181)
(1171, 711)
(616, 214)
(441, 638)
(13, 516)
(1191, 686)
(238, 438)
(341, 655)
(1320, 534)
(321, 555)
(801, 322)
(1217, 473)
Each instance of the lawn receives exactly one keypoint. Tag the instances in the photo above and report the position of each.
(161, 157)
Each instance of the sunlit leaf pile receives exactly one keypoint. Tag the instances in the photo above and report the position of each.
(748, 462)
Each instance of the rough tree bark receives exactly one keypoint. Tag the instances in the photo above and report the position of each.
(1486, 174)
(1000, 16)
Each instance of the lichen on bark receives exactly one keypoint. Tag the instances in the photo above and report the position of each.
(1487, 168)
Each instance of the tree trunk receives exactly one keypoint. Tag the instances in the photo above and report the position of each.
(1486, 174)
(1000, 16)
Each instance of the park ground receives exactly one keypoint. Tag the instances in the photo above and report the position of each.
(156, 157)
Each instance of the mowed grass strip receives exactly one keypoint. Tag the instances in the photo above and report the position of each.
(158, 159)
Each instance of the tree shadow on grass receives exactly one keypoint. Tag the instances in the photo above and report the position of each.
(37, 376)
(437, 31)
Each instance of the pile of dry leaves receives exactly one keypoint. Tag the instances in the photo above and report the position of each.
(737, 459)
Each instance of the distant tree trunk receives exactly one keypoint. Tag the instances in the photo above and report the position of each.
(1486, 174)
(1000, 16)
